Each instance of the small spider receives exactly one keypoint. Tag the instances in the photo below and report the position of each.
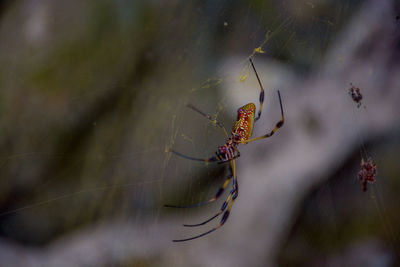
(241, 134)
(367, 173)
(355, 94)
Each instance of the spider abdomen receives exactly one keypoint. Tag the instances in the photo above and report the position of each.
(244, 123)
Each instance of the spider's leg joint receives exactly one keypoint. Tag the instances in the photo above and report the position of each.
(219, 193)
(224, 205)
(235, 195)
(224, 217)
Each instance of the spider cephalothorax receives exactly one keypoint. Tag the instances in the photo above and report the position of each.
(241, 134)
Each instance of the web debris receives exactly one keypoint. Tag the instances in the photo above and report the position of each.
(367, 173)
(355, 94)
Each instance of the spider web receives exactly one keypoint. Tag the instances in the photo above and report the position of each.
(93, 98)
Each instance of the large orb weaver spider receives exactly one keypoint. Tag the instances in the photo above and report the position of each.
(241, 134)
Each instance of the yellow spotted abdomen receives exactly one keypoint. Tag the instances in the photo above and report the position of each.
(244, 123)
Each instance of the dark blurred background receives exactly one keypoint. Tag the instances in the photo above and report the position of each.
(92, 97)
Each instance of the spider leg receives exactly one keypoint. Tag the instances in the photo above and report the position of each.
(209, 118)
(261, 93)
(217, 195)
(226, 213)
(223, 220)
(211, 159)
(218, 158)
(223, 207)
(277, 126)
(197, 236)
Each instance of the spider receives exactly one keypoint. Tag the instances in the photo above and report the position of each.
(241, 134)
